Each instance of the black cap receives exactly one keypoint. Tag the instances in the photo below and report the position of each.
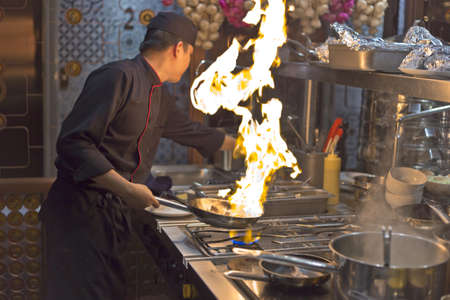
(176, 24)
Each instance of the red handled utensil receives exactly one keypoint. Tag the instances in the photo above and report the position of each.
(333, 130)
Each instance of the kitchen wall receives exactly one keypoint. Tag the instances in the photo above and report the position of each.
(48, 49)
(21, 99)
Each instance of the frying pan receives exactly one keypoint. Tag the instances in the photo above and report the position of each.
(284, 274)
(213, 211)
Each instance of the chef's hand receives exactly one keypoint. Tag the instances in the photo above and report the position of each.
(141, 196)
(136, 195)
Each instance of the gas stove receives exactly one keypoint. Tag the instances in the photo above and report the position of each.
(283, 198)
(308, 233)
(206, 251)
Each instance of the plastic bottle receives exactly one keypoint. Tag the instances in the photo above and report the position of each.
(331, 171)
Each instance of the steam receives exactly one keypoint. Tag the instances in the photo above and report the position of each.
(373, 213)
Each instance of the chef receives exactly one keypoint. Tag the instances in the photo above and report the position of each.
(105, 151)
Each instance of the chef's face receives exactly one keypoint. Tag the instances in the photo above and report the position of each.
(182, 60)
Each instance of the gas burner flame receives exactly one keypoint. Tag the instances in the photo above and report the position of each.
(261, 142)
(246, 240)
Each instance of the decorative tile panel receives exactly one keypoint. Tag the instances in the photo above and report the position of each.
(20, 246)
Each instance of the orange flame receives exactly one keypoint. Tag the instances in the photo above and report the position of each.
(264, 148)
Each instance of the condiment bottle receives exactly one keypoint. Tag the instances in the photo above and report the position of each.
(331, 171)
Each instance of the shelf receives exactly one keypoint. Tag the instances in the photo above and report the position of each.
(420, 87)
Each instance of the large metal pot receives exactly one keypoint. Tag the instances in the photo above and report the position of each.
(416, 269)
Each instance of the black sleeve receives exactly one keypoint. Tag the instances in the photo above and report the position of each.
(84, 128)
(180, 128)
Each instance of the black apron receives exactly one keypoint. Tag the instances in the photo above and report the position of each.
(86, 233)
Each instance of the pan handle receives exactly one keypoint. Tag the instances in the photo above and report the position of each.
(288, 260)
(239, 275)
(197, 189)
(300, 49)
(438, 210)
(172, 204)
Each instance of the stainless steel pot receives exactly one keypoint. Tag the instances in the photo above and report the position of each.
(416, 270)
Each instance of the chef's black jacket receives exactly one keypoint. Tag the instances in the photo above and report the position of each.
(116, 123)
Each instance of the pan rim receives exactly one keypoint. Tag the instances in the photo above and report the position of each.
(220, 215)
(337, 253)
(305, 255)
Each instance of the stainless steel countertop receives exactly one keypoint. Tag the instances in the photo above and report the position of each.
(203, 267)
(208, 270)
(220, 287)
(205, 272)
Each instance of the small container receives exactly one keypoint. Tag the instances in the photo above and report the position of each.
(307, 202)
(331, 171)
(311, 164)
(224, 160)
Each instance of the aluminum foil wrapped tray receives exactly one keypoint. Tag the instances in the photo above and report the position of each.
(418, 35)
(352, 51)
(430, 53)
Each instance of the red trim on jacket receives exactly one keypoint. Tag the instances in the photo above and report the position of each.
(143, 131)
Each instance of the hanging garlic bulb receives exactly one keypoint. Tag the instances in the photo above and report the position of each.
(369, 13)
(201, 8)
(309, 13)
(207, 17)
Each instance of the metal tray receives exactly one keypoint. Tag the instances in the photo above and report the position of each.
(297, 199)
(379, 59)
(315, 202)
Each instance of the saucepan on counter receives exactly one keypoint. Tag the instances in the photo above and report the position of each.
(213, 211)
(374, 265)
(284, 274)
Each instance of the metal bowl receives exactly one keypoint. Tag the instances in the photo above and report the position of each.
(419, 216)
(438, 188)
